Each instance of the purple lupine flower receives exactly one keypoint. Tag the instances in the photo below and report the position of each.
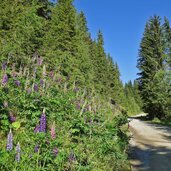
(5, 79)
(39, 61)
(41, 82)
(5, 104)
(18, 152)
(36, 148)
(12, 118)
(9, 141)
(4, 66)
(37, 129)
(43, 122)
(55, 151)
(36, 88)
(17, 83)
(72, 157)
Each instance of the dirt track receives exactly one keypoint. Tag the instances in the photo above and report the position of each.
(150, 146)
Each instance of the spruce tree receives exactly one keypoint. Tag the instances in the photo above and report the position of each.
(59, 41)
(151, 61)
(21, 30)
(100, 66)
(84, 73)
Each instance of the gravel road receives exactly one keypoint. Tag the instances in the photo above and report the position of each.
(150, 146)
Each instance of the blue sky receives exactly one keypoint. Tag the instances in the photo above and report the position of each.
(122, 23)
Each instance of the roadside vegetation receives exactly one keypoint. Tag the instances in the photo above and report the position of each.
(62, 103)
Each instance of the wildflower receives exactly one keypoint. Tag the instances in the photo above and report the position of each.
(52, 131)
(17, 83)
(4, 66)
(9, 141)
(5, 104)
(18, 152)
(36, 88)
(12, 118)
(37, 128)
(55, 151)
(5, 79)
(43, 122)
(41, 82)
(39, 61)
(72, 157)
(36, 148)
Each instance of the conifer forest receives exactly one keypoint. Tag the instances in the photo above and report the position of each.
(63, 106)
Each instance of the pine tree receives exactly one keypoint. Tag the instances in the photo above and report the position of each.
(151, 61)
(21, 30)
(100, 65)
(59, 49)
(84, 73)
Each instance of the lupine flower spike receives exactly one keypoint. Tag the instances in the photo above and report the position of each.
(4, 79)
(72, 157)
(18, 152)
(12, 118)
(55, 151)
(52, 131)
(37, 128)
(10, 141)
(17, 83)
(36, 88)
(43, 122)
(39, 61)
(4, 66)
(36, 148)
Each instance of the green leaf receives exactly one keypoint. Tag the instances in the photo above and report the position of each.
(16, 125)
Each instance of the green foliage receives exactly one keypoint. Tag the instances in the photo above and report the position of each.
(20, 30)
(133, 103)
(154, 65)
(49, 61)
(85, 129)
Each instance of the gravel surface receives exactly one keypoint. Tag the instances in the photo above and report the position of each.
(150, 146)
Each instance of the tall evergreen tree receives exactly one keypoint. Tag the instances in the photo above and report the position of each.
(84, 73)
(21, 29)
(151, 61)
(60, 37)
(100, 65)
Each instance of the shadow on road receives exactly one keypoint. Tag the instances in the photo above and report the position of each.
(150, 158)
(150, 148)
